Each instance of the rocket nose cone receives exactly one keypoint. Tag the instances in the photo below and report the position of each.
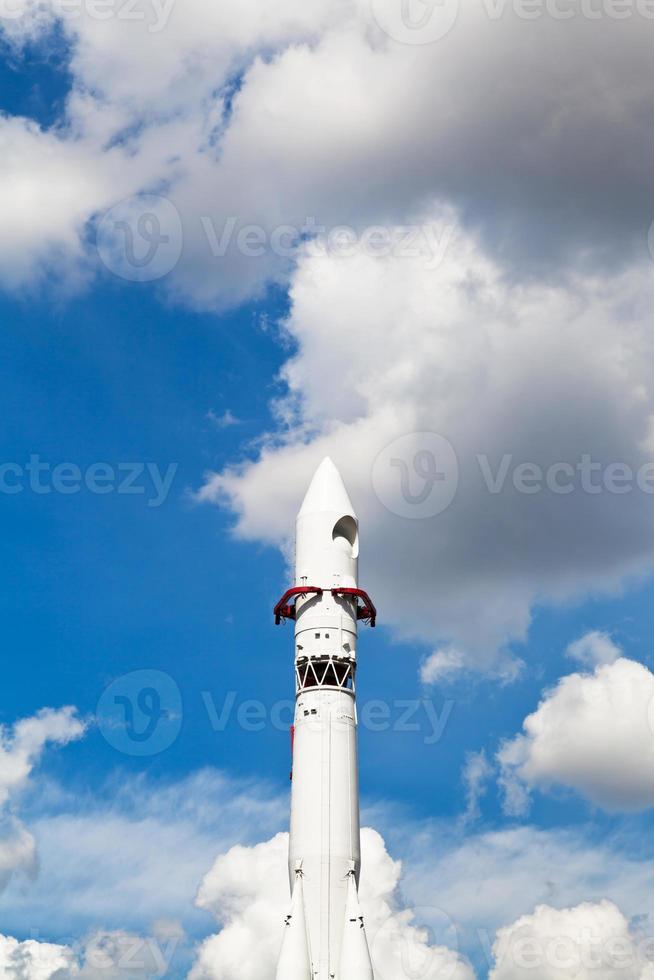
(327, 493)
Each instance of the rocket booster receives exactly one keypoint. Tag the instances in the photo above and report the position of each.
(324, 934)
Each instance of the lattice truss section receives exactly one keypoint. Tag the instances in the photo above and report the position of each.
(325, 672)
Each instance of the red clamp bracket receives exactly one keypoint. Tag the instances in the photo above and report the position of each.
(285, 609)
(367, 612)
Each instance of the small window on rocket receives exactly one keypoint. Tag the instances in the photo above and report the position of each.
(346, 536)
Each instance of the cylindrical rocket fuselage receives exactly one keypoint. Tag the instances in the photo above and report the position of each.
(325, 845)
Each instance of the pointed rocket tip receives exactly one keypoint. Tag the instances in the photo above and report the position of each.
(327, 465)
(327, 491)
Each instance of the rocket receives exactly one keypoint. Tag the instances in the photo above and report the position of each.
(324, 936)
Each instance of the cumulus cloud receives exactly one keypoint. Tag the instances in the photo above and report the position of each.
(429, 388)
(33, 960)
(149, 844)
(594, 648)
(483, 882)
(263, 127)
(21, 748)
(247, 891)
(489, 879)
(102, 954)
(594, 734)
(585, 942)
(120, 867)
(50, 187)
(311, 110)
(134, 125)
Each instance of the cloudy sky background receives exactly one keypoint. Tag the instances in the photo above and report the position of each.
(236, 238)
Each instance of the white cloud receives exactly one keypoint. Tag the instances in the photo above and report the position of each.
(21, 748)
(17, 850)
(49, 188)
(132, 851)
(224, 421)
(593, 733)
(32, 960)
(145, 111)
(388, 350)
(269, 117)
(462, 888)
(477, 772)
(442, 664)
(102, 955)
(594, 648)
(116, 954)
(588, 942)
(273, 115)
(247, 891)
(485, 881)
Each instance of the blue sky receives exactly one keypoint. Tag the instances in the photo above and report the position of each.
(229, 377)
(98, 586)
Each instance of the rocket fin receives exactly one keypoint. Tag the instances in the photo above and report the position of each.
(295, 961)
(355, 954)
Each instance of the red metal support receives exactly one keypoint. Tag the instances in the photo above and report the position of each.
(284, 609)
(367, 612)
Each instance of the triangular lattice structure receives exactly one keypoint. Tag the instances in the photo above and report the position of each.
(325, 672)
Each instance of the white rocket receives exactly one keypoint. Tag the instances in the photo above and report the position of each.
(324, 936)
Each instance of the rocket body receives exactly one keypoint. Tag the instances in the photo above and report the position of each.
(325, 848)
